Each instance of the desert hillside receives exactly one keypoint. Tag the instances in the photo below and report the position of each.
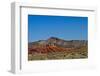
(55, 46)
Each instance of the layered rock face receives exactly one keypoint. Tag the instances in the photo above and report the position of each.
(54, 44)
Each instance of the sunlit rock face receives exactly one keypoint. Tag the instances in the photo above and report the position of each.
(54, 44)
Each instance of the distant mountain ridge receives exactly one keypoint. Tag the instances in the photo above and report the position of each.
(60, 42)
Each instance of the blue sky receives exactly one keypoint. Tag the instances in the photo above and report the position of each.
(41, 27)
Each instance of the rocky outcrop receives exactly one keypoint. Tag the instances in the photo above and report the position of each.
(60, 42)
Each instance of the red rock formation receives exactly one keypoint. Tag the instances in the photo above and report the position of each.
(47, 49)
